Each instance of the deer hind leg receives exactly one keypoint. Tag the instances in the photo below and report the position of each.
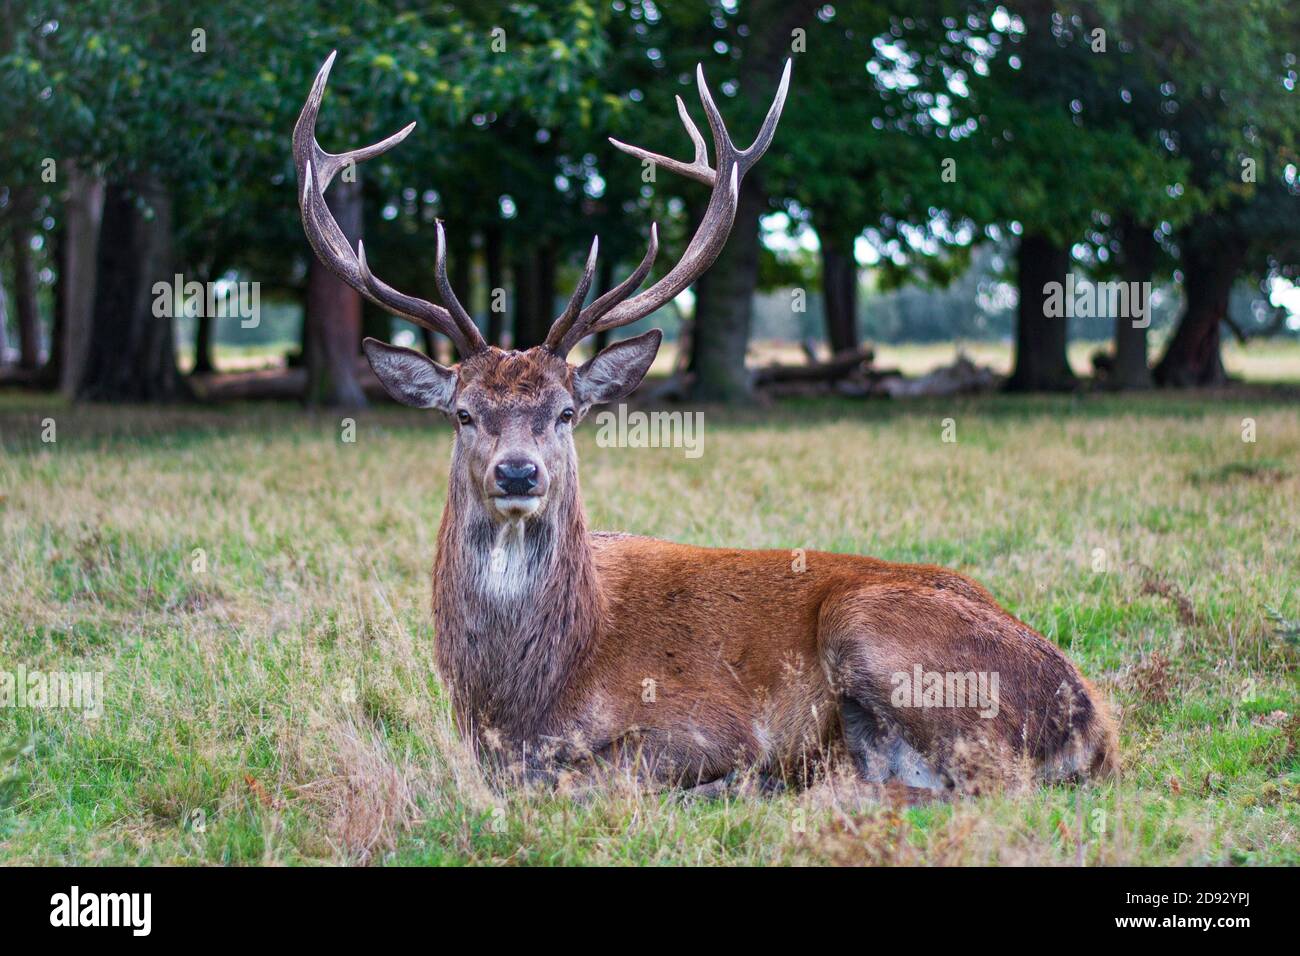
(881, 752)
(881, 747)
(1040, 717)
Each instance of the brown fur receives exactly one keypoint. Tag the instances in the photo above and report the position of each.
(688, 663)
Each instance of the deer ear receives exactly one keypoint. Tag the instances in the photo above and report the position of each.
(617, 370)
(411, 377)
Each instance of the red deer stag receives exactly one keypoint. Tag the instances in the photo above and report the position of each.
(563, 647)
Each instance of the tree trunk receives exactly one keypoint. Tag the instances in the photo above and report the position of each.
(1192, 357)
(83, 212)
(333, 323)
(524, 272)
(724, 295)
(132, 354)
(839, 291)
(685, 343)
(1041, 363)
(203, 363)
(48, 379)
(547, 266)
(26, 308)
(535, 296)
(4, 321)
(724, 303)
(1131, 370)
(496, 279)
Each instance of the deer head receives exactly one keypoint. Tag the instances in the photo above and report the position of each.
(514, 411)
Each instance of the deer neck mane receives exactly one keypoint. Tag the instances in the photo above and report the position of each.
(516, 606)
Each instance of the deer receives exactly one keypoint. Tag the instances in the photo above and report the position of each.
(566, 650)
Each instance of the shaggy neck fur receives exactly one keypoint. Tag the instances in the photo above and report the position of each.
(516, 607)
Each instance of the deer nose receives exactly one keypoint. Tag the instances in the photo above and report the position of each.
(516, 477)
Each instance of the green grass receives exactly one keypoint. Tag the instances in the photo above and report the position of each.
(281, 706)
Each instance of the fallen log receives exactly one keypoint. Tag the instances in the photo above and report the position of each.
(962, 377)
(269, 383)
(838, 366)
(279, 383)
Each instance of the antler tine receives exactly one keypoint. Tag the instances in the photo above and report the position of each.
(722, 143)
(468, 330)
(719, 215)
(589, 317)
(327, 165)
(700, 253)
(564, 323)
(614, 309)
(316, 170)
(767, 132)
(432, 317)
(698, 169)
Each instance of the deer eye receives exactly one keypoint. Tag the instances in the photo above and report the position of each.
(464, 417)
(566, 415)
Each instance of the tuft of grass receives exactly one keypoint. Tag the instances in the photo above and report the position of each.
(255, 593)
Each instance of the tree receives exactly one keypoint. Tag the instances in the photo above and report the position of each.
(1260, 236)
(725, 294)
(742, 48)
(1031, 93)
(332, 329)
(83, 214)
(129, 96)
(4, 319)
(1231, 73)
(1203, 87)
(1050, 167)
(26, 308)
(1140, 252)
(64, 118)
(132, 355)
(899, 71)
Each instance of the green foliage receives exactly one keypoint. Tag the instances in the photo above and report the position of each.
(515, 101)
(85, 83)
(1212, 87)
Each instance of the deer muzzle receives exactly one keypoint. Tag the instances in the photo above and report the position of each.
(517, 486)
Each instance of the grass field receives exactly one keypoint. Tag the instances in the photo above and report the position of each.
(255, 592)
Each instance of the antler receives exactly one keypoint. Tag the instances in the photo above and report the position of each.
(316, 170)
(614, 309)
